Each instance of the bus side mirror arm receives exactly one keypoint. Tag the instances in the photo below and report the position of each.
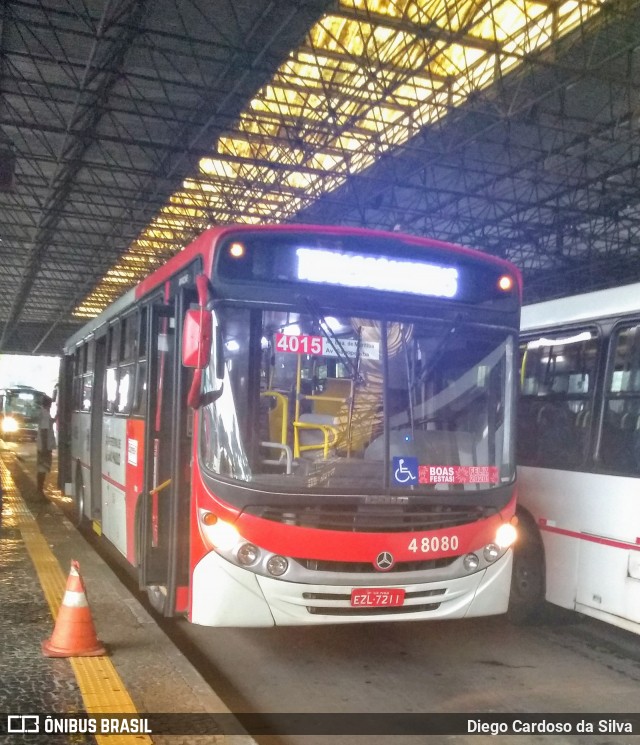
(195, 398)
(197, 333)
(197, 337)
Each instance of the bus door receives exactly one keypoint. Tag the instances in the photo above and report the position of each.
(163, 518)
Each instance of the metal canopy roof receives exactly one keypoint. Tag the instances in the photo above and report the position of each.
(128, 126)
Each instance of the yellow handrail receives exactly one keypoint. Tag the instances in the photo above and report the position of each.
(160, 487)
(326, 430)
(285, 411)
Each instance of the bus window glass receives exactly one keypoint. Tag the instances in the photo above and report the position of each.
(620, 438)
(77, 362)
(447, 397)
(110, 390)
(114, 344)
(91, 349)
(125, 389)
(222, 446)
(76, 392)
(142, 337)
(86, 391)
(557, 375)
(342, 399)
(129, 334)
(140, 393)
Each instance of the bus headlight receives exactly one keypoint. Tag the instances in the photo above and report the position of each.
(218, 533)
(277, 565)
(506, 535)
(471, 562)
(248, 554)
(9, 424)
(491, 552)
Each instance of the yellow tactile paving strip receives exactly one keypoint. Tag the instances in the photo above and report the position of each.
(101, 687)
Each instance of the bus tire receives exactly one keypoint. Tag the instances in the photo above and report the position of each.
(79, 498)
(157, 596)
(526, 601)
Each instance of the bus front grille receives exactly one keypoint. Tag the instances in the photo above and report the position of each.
(363, 567)
(370, 518)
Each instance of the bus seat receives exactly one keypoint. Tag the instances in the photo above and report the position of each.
(583, 418)
(628, 422)
(557, 444)
(620, 444)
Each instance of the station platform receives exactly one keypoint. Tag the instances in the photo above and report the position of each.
(142, 673)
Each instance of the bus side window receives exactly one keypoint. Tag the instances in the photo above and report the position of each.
(125, 388)
(110, 393)
(127, 369)
(111, 390)
(557, 381)
(620, 440)
(140, 395)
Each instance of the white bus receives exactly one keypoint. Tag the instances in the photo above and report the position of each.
(579, 455)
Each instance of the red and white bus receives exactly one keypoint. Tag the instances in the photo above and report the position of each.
(579, 455)
(303, 425)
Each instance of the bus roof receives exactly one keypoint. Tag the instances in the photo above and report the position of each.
(123, 302)
(206, 241)
(588, 306)
(20, 387)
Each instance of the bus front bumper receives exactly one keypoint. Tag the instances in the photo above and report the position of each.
(226, 595)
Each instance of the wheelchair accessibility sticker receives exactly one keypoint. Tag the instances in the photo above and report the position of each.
(408, 472)
(405, 471)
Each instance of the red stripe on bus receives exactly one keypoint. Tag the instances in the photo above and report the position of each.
(587, 537)
(113, 482)
(108, 479)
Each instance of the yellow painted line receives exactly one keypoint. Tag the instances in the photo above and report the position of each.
(102, 689)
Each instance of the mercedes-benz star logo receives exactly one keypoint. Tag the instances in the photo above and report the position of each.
(384, 561)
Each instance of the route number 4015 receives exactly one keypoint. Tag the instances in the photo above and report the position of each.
(428, 544)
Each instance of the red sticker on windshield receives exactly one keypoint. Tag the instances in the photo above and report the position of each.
(458, 474)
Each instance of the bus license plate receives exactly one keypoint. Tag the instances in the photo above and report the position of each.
(374, 597)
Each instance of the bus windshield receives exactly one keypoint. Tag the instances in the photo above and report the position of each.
(356, 404)
(23, 403)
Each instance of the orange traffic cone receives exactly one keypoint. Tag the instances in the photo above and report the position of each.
(74, 634)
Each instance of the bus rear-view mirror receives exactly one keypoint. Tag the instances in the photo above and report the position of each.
(196, 338)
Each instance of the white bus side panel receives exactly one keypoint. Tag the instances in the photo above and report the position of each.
(590, 306)
(604, 582)
(590, 526)
(114, 450)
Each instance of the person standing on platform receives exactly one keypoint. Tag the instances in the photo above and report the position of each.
(46, 443)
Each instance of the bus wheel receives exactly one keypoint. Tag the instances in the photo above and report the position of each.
(526, 600)
(79, 498)
(157, 595)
